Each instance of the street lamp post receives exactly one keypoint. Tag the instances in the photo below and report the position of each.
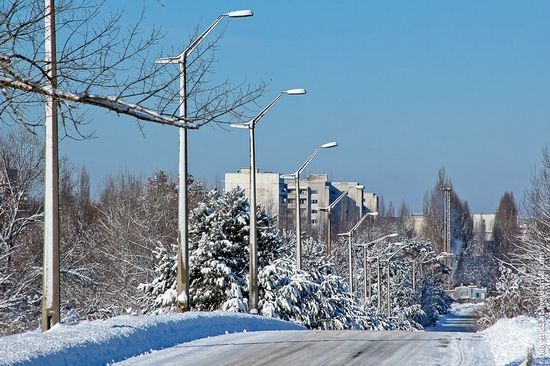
(349, 234)
(365, 247)
(400, 247)
(328, 210)
(183, 209)
(296, 177)
(253, 237)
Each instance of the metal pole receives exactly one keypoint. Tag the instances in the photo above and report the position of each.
(365, 272)
(183, 211)
(370, 281)
(253, 293)
(378, 284)
(329, 232)
(50, 287)
(414, 282)
(388, 292)
(298, 229)
(350, 266)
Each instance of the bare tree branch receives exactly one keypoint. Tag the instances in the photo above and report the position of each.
(104, 64)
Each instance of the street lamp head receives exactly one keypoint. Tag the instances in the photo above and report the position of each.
(295, 92)
(240, 14)
(392, 235)
(240, 125)
(372, 213)
(328, 145)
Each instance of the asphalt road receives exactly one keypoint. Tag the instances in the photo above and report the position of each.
(452, 342)
(327, 348)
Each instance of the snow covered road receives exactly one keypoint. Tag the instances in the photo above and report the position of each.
(326, 348)
(209, 338)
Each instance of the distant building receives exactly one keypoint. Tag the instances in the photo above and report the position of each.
(278, 197)
(271, 189)
(470, 293)
(483, 232)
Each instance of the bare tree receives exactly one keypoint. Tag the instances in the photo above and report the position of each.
(20, 173)
(102, 64)
(20, 222)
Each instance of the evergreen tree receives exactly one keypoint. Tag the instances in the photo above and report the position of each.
(314, 296)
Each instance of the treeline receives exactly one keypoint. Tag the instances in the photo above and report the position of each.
(114, 248)
(105, 245)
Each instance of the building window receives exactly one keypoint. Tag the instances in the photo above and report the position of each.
(302, 201)
(314, 202)
(302, 191)
(313, 211)
(291, 200)
(313, 221)
(314, 191)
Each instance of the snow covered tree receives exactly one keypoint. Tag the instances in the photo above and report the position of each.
(20, 225)
(523, 286)
(218, 232)
(315, 296)
(510, 301)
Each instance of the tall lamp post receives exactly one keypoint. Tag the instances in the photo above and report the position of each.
(365, 247)
(328, 210)
(349, 234)
(50, 273)
(183, 210)
(253, 237)
(296, 177)
(400, 246)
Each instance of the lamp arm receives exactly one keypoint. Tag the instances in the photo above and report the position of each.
(255, 120)
(299, 171)
(200, 38)
(331, 206)
(359, 223)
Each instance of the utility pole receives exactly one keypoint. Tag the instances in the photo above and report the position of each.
(50, 281)
(447, 220)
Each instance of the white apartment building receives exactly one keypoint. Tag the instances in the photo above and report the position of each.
(271, 189)
(278, 196)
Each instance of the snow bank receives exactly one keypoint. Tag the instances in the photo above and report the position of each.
(511, 339)
(115, 339)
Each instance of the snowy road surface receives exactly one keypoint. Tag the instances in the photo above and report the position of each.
(200, 338)
(452, 342)
(326, 348)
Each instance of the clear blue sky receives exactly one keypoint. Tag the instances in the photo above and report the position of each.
(404, 87)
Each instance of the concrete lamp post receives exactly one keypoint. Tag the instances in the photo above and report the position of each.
(253, 235)
(328, 210)
(296, 177)
(400, 246)
(349, 235)
(365, 248)
(183, 209)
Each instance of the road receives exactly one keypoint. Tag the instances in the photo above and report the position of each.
(452, 342)
(327, 348)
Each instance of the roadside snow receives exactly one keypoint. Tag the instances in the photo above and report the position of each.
(102, 342)
(511, 339)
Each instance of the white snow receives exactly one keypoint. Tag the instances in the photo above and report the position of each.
(101, 342)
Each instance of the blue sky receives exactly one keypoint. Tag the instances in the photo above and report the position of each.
(404, 87)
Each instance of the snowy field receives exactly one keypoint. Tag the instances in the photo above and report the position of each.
(104, 342)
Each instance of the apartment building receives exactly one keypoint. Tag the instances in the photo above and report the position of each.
(271, 190)
(278, 196)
